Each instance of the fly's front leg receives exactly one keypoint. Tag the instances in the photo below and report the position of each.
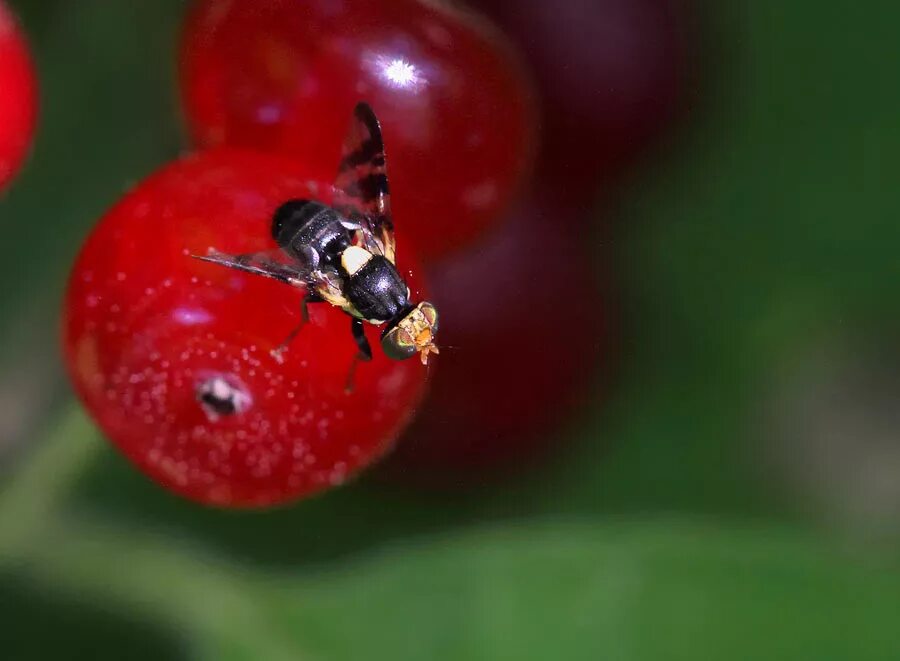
(365, 350)
(359, 336)
(279, 351)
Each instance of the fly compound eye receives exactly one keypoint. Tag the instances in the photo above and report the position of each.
(431, 315)
(398, 344)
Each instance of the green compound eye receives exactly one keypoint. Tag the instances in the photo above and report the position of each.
(431, 315)
(397, 344)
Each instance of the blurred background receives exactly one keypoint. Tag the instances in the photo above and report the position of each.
(727, 483)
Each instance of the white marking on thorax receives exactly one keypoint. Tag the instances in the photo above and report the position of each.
(354, 258)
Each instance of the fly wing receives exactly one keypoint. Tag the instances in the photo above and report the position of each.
(361, 188)
(266, 264)
(320, 284)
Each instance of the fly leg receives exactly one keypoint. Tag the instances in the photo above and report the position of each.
(364, 354)
(279, 351)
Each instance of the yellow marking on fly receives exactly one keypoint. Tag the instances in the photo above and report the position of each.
(329, 289)
(354, 258)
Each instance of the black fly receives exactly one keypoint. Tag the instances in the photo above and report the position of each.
(344, 254)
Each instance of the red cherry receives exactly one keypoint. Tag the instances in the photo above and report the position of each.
(173, 356)
(455, 106)
(522, 311)
(609, 72)
(18, 100)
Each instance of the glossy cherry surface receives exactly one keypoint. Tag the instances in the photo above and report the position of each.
(455, 105)
(18, 96)
(173, 356)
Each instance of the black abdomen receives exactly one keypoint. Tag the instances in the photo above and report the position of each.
(299, 225)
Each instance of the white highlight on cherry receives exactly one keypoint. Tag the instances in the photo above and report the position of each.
(398, 72)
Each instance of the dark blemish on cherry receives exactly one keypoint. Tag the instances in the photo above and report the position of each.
(222, 395)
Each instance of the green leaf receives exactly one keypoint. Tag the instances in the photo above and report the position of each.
(40, 625)
(667, 590)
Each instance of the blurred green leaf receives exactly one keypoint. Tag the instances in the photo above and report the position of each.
(668, 590)
(33, 496)
(40, 625)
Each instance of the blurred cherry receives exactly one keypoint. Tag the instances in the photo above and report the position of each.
(18, 96)
(609, 73)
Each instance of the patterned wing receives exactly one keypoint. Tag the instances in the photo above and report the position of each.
(361, 187)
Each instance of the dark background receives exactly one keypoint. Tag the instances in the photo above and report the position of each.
(734, 493)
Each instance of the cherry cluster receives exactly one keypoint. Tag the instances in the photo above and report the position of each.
(176, 358)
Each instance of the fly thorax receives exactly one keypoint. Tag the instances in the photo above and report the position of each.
(374, 286)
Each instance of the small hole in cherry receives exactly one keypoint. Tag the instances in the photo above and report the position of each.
(221, 395)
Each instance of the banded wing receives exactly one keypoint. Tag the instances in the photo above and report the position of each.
(361, 188)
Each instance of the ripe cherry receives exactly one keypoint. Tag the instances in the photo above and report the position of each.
(174, 357)
(455, 105)
(18, 101)
(609, 73)
(525, 313)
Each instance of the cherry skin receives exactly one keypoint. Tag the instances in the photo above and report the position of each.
(18, 101)
(173, 357)
(455, 105)
(609, 73)
(524, 311)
